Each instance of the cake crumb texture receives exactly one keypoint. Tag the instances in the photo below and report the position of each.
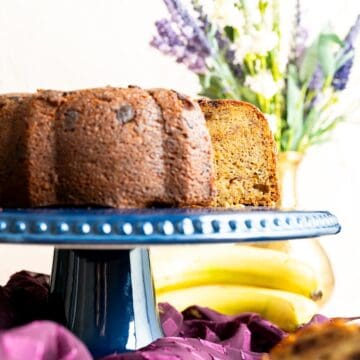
(244, 152)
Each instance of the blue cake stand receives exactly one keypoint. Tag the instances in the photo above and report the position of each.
(101, 284)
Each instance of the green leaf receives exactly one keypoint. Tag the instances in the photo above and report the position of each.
(273, 64)
(323, 134)
(249, 95)
(294, 107)
(343, 58)
(333, 38)
(210, 86)
(263, 5)
(327, 59)
(310, 122)
(284, 140)
(309, 63)
(214, 86)
(230, 33)
(204, 80)
(323, 131)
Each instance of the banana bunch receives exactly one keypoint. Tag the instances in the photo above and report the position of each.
(283, 308)
(237, 278)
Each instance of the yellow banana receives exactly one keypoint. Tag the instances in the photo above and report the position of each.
(285, 309)
(181, 267)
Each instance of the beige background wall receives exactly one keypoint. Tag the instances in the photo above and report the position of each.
(85, 43)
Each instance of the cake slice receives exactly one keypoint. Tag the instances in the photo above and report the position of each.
(334, 340)
(244, 154)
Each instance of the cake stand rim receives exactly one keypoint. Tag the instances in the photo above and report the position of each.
(127, 228)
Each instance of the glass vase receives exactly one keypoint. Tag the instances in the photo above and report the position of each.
(308, 250)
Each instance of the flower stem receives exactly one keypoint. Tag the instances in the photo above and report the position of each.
(223, 71)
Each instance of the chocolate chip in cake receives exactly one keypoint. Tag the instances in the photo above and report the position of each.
(237, 178)
(212, 103)
(70, 118)
(188, 104)
(125, 113)
(354, 356)
(262, 187)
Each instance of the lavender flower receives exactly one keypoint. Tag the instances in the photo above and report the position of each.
(235, 68)
(224, 45)
(315, 86)
(203, 18)
(182, 38)
(352, 35)
(299, 38)
(168, 39)
(317, 80)
(341, 76)
(181, 16)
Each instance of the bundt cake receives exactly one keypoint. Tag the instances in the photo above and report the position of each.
(129, 147)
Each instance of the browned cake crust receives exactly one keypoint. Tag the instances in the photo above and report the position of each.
(245, 154)
(328, 341)
(110, 147)
(13, 179)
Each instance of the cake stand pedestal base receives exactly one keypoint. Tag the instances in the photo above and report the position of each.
(106, 298)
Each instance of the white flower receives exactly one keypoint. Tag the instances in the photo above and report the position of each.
(287, 16)
(264, 41)
(268, 20)
(283, 59)
(272, 121)
(224, 13)
(258, 42)
(252, 10)
(242, 47)
(263, 83)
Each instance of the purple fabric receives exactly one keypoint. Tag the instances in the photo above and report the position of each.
(24, 299)
(247, 331)
(41, 340)
(197, 333)
(175, 348)
(7, 312)
(201, 333)
(171, 319)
